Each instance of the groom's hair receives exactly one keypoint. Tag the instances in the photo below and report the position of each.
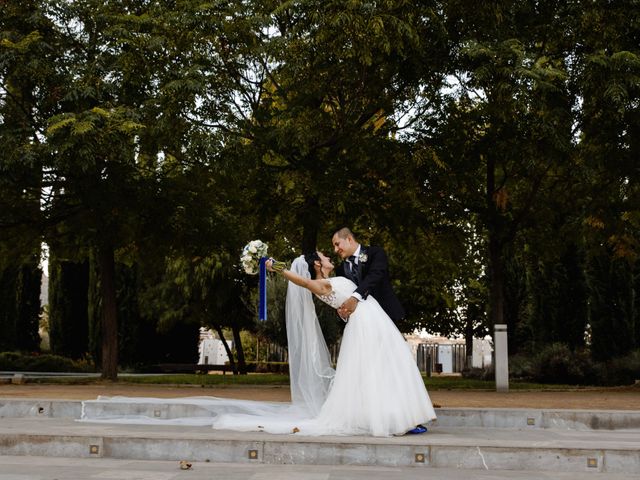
(344, 232)
(310, 258)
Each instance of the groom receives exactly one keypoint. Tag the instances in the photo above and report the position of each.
(368, 268)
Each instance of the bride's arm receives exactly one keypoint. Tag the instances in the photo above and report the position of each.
(319, 286)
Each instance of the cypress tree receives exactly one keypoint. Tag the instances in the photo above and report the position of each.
(8, 276)
(20, 306)
(558, 299)
(612, 313)
(68, 307)
(28, 283)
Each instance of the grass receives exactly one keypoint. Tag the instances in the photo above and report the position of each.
(432, 383)
(175, 379)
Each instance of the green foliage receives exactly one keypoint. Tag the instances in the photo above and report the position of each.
(614, 312)
(8, 277)
(20, 305)
(559, 299)
(556, 363)
(12, 361)
(213, 380)
(622, 370)
(491, 150)
(281, 368)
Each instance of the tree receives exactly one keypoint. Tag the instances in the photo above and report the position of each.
(68, 307)
(24, 67)
(310, 110)
(512, 103)
(111, 129)
(606, 76)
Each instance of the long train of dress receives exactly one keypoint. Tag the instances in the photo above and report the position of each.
(377, 389)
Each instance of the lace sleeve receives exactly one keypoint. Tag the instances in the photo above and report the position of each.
(330, 299)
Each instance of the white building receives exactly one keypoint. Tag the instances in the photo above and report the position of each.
(211, 349)
(448, 354)
(482, 352)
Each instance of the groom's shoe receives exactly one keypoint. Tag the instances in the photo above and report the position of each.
(418, 429)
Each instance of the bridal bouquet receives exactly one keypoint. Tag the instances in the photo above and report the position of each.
(251, 255)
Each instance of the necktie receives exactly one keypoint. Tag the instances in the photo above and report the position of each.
(354, 266)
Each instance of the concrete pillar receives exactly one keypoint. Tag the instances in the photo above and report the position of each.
(501, 357)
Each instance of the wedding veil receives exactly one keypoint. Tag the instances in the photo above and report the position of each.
(310, 368)
(311, 376)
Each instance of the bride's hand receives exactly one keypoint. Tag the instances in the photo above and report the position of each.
(269, 264)
(274, 265)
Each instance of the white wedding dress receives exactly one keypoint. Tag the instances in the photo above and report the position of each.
(376, 388)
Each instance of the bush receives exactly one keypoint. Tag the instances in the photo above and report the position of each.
(269, 367)
(556, 363)
(521, 367)
(42, 363)
(622, 370)
(11, 361)
(476, 373)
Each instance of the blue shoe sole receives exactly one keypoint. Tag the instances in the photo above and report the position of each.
(418, 429)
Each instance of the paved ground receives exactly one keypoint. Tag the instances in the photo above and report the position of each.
(56, 468)
(47, 468)
(590, 399)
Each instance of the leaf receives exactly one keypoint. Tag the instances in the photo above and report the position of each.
(130, 126)
(594, 222)
(80, 128)
(101, 111)
(274, 159)
(53, 128)
(23, 45)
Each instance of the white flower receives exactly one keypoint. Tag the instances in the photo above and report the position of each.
(251, 255)
(362, 258)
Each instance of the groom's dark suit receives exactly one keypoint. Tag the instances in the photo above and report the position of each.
(372, 278)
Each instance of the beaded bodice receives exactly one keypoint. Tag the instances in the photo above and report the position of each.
(341, 289)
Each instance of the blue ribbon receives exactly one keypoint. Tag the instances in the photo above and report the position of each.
(262, 290)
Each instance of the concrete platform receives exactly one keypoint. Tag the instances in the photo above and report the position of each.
(442, 447)
(524, 418)
(447, 417)
(469, 439)
(47, 468)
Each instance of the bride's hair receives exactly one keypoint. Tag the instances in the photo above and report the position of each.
(310, 258)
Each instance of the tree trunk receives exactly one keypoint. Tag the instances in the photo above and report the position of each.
(468, 343)
(242, 364)
(496, 292)
(109, 312)
(232, 362)
(496, 265)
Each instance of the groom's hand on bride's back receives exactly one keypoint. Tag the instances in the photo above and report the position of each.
(347, 308)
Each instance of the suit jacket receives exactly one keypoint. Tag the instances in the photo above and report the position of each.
(373, 279)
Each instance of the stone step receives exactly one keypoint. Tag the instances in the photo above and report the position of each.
(544, 450)
(29, 468)
(520, 418)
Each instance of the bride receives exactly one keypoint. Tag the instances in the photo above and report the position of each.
(376, 388)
